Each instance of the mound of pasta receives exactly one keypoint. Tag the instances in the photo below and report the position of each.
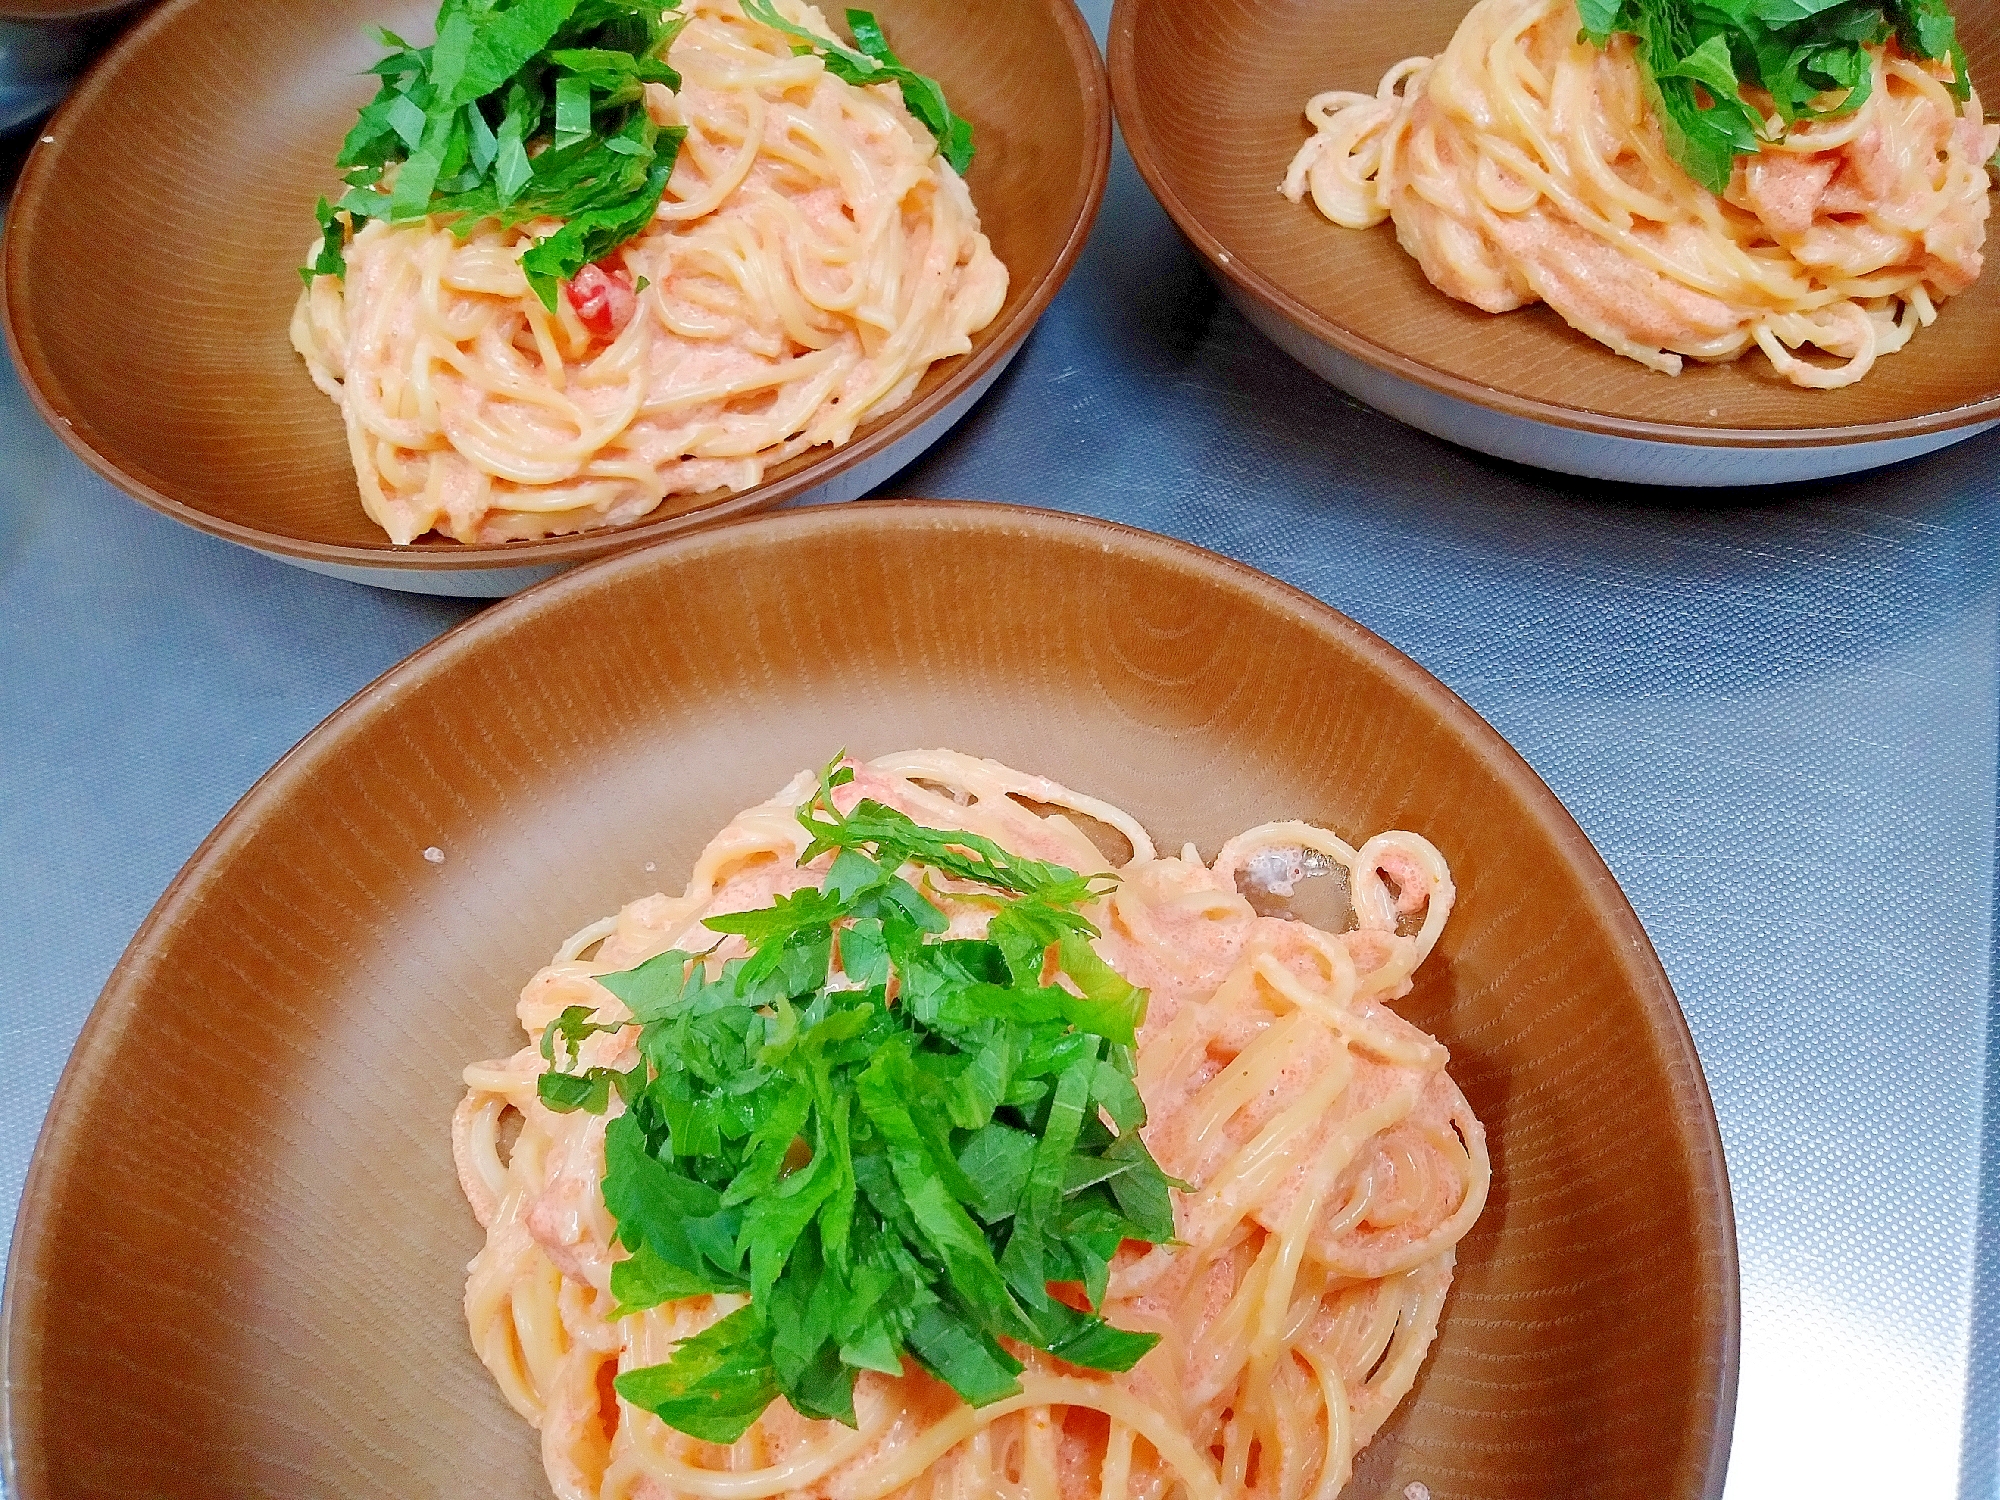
(920, 1148)
(1528, 163)
(812, 255)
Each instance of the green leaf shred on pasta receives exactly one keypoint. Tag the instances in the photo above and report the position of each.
(893, 1141)
(870, 61)
(1809, 57)
(533, 109)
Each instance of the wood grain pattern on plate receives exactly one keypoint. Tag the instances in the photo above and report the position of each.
(242, 1247)
(1211, 95)
(185, 169)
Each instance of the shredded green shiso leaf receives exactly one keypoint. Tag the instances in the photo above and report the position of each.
(952, 1095)
(528, 109)
(873, 62)
(1809, 56)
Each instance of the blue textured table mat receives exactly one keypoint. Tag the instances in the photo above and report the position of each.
(1774, 712)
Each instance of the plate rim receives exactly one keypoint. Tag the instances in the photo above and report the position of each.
(1128, 104)
(62, 1138)
(38, 376)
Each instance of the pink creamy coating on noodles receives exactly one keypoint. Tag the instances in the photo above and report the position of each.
(1333, 1167)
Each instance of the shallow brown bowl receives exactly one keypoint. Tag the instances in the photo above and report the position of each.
(152, 249)
(1211, 95)
(241, 1252)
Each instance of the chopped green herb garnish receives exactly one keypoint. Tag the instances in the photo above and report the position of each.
(591, 1089)
(891, 1140)
(457, 121)
(1809, 56)
(871, 61)
(329, 260)
(529, 109)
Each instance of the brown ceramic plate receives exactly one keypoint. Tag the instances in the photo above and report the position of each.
(242, 1246)
(1211, 95)
(152, 247)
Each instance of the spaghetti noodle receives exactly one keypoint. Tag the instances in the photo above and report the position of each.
(1524, 164)
(812, 257)
(1332, 1168)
